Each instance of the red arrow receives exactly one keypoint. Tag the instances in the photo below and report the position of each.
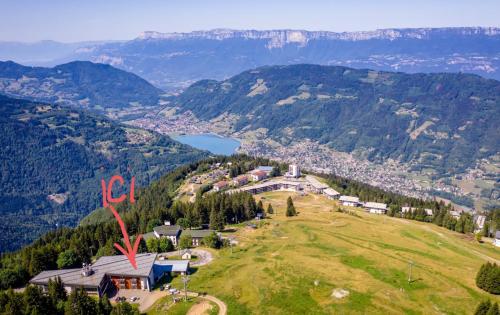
(130, 252)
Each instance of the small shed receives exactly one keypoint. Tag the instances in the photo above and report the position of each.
(186, 254)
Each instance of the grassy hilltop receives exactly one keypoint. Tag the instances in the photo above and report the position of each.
(274, 268)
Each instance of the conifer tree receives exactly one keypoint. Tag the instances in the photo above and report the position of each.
(270, 209)
(482, 308)
(290, 208)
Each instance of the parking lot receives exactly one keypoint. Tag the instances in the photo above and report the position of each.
(146, 299)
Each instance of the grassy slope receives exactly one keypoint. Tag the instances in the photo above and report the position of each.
(273, 269)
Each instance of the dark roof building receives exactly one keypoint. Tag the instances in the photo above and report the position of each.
(97, 278)
(167, 230)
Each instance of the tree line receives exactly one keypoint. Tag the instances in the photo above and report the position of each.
(33, 301)
(69, 247)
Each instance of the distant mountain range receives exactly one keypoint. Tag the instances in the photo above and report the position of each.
(81, 84)
(444, 122)
(175, 60)
(54, 157)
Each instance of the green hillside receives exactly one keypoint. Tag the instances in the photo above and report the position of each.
(305, 264)
(53, 159)
(445, 122)
(81, 84)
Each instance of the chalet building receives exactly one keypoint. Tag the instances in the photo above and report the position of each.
(107, 272)
(349, 201)
(240, 180)
(219, 186)
(376, 207)
(171, 232)
(197, 236)
(258, 175)
(331, 193)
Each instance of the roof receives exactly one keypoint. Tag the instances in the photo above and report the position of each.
(376, 205)
(349, 198)
(171, 265)
(265, 168)
(316, 183)
(120, 265)
(266, 184)
(240, 178)
(331, 192)
(168, 230)
(198, 233)
(221, 184)
(147, 236)
(106, 265)
(259, 173)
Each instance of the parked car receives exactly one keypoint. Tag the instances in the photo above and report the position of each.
(120, 299)
(134, 298)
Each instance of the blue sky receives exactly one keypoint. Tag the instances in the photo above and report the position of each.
(71, 20)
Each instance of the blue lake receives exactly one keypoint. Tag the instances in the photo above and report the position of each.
(210, 142)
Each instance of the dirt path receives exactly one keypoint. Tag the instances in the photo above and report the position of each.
(222, 306)
(201, 308)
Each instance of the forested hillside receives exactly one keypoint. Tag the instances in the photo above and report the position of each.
(157, 203)
(81, 84)
(443, 121)
(53, 159)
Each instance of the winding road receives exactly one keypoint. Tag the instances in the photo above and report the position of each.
(204, 256)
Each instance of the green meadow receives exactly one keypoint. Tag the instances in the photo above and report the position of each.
(295, 265)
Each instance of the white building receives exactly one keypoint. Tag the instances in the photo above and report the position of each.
(293, 171)
(258, 175)
(408, 209)
(331, 193)
(349, 201)
(497, 239)
(315, 185)
(480, 220)
(219, 186)
(376, 207)
(171, 232)
(455, 214)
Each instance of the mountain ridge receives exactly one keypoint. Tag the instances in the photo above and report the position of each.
(295, 35)
(81, 84)
(53, 159)
(442, 121)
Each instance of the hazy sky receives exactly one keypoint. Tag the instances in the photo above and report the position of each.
(71, 20)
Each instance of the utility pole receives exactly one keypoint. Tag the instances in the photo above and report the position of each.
(409, 275)
(185, 280)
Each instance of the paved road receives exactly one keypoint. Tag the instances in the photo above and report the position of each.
(204, 256)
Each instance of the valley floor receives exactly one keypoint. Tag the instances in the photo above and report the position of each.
(305, 264)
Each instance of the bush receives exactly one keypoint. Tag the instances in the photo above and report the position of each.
(212, 241)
